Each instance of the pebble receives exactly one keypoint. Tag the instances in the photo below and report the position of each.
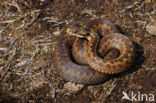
(151, 28)
(73, 86)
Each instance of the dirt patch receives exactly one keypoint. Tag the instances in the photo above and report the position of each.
(29, 31)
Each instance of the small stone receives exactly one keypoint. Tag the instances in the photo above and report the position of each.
(151, 28)
(73, 86)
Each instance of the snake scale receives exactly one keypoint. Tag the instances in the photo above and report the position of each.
(93, 58)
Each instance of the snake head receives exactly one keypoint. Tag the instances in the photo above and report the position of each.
(82, 33)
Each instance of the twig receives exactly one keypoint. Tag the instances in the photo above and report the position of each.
(4, 29)
(32, 21)
(142, 23)
(5, 72)
(13, 43)
(53, 20)
(112, 87)
(22, 16)
(10, 63)
(14, 4)
(45, 68)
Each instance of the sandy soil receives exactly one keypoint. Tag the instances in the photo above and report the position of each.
(29, 30)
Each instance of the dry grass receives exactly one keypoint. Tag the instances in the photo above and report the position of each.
(28, 36)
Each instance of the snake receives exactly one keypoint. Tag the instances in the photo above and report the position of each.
(93, 55)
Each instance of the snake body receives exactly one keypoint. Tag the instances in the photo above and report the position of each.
(78, 60)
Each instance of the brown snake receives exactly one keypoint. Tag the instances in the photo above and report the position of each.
(78, 59)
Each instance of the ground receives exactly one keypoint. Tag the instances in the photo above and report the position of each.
(29, 30)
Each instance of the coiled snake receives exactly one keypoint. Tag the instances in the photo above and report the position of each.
(95, 55)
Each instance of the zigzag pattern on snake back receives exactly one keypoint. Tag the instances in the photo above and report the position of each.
(78, 60)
